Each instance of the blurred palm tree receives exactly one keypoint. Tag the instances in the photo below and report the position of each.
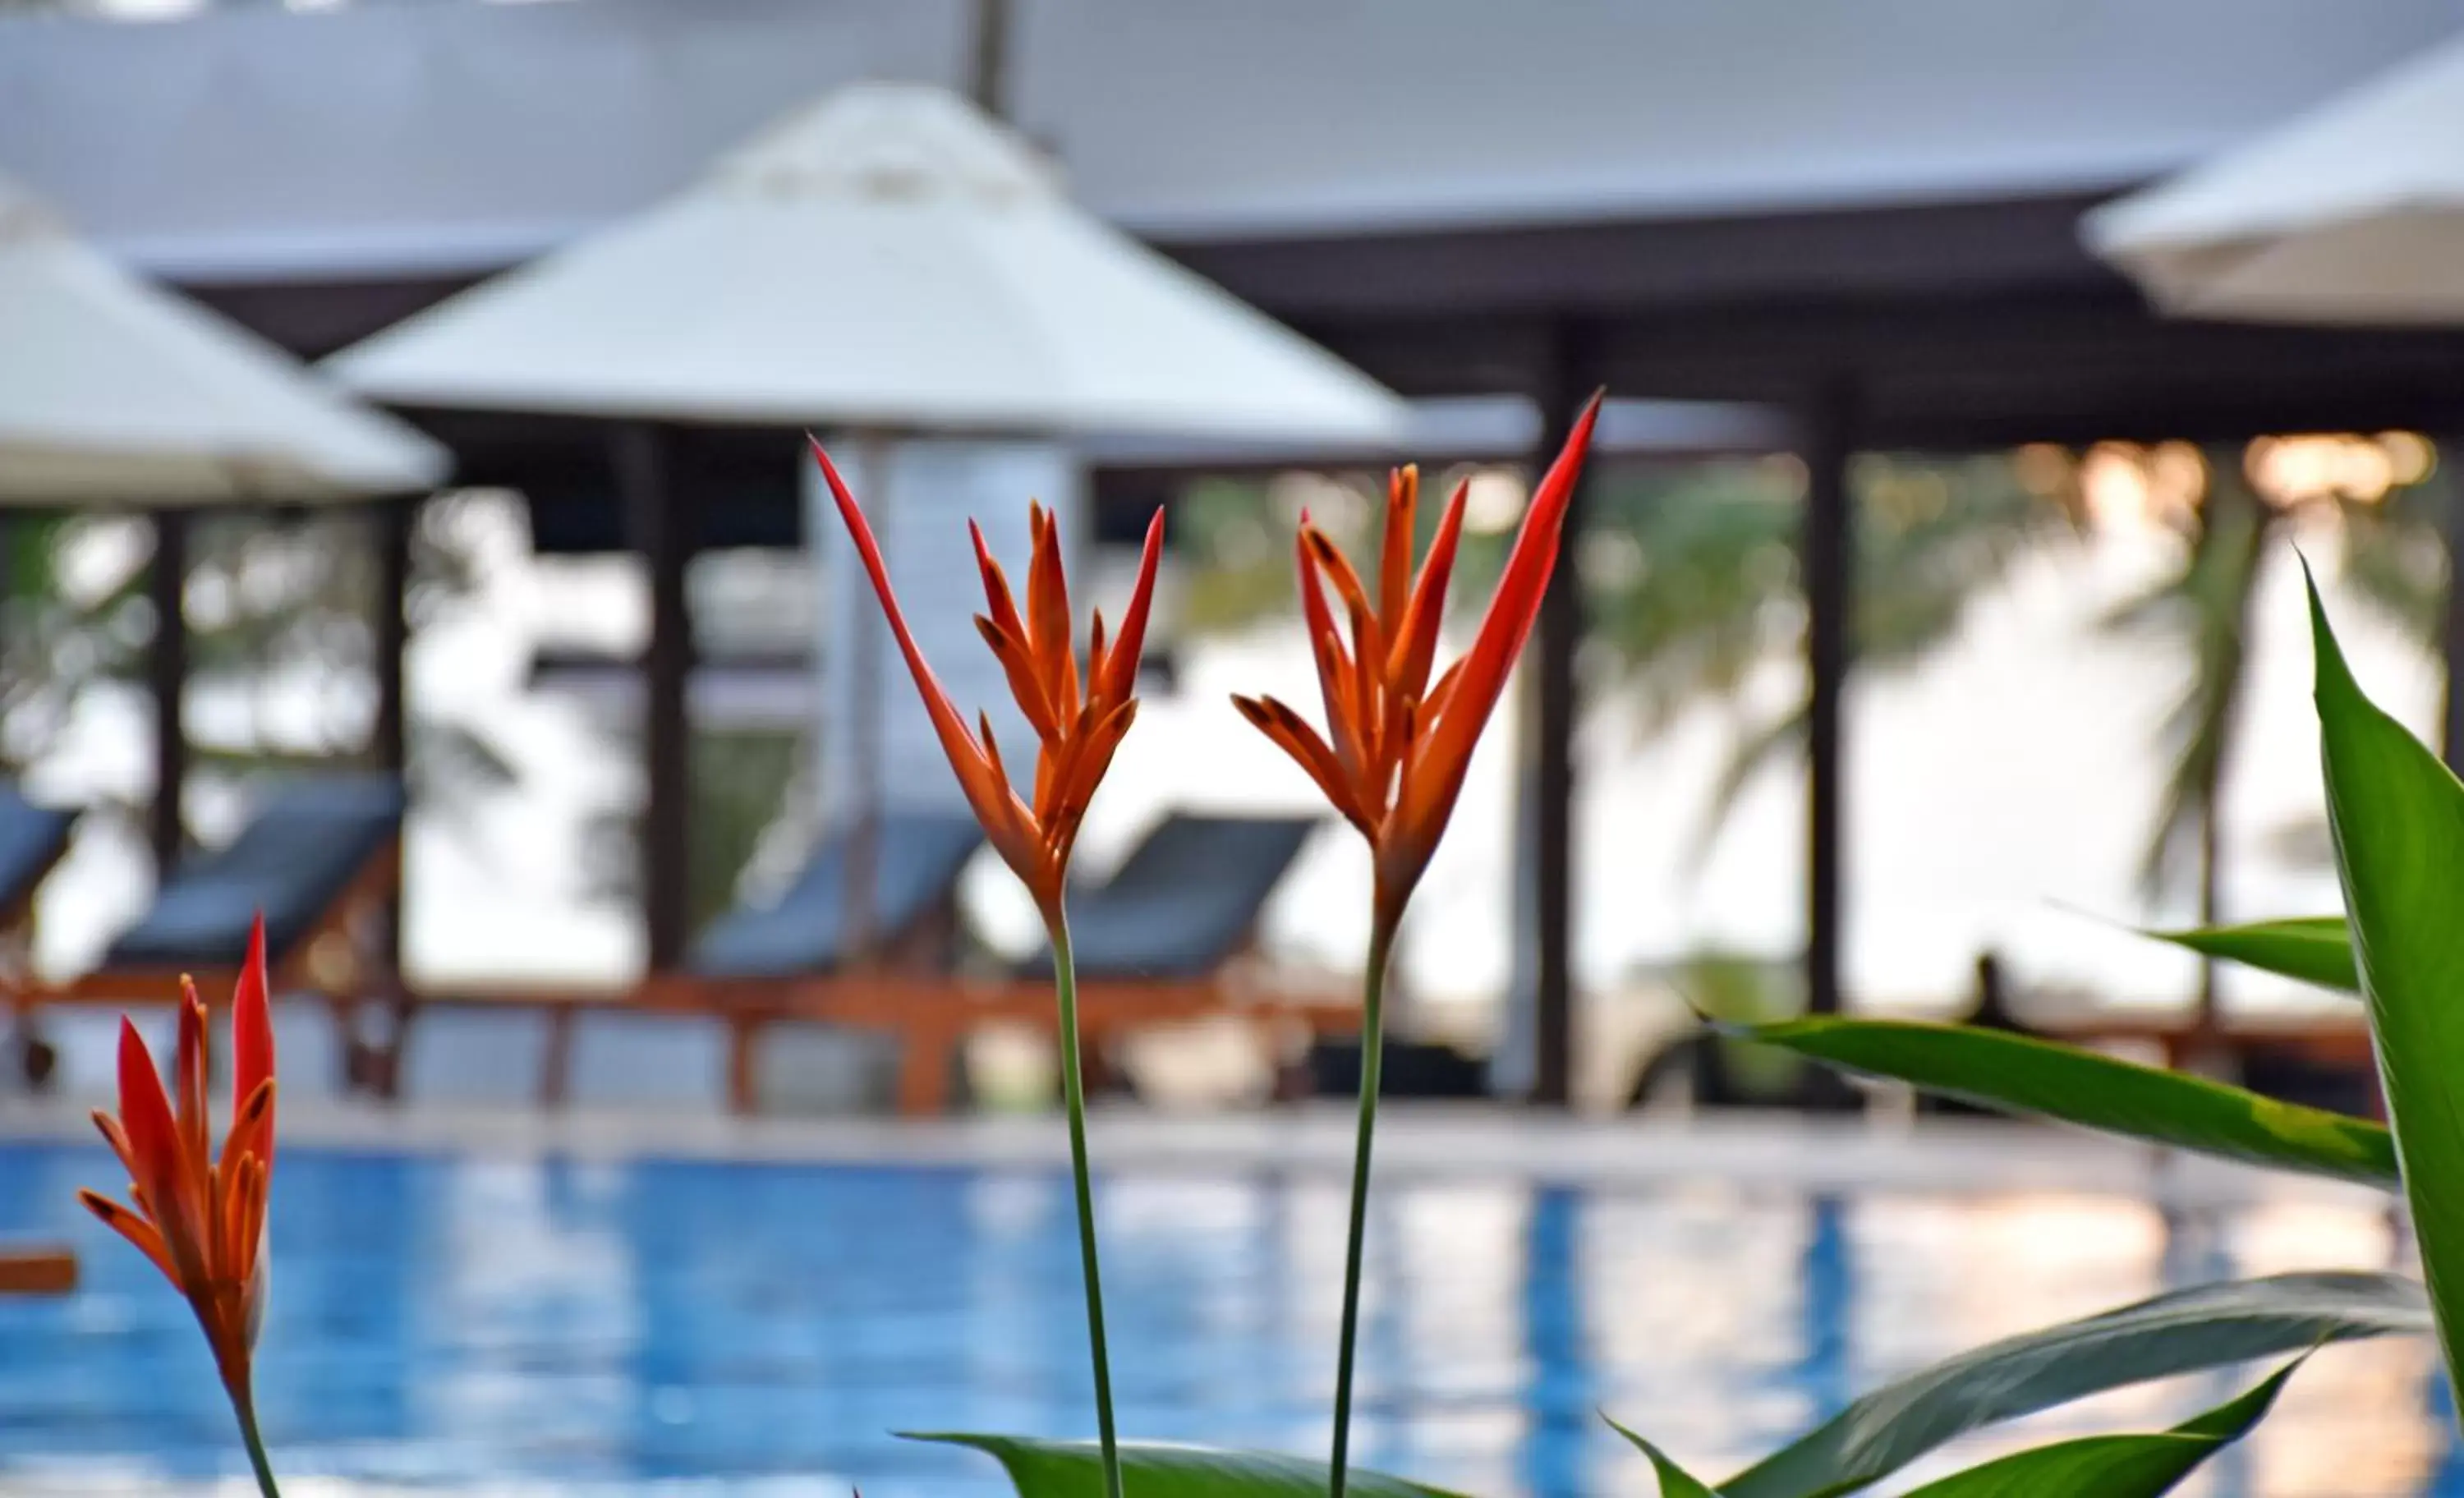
(745, 790)
(1692, 576)
(1236, 533)
(2396, 556)
(1696, 585)
(2202, 609)
(281, 612)
(74, 621)
(1691, 572)
(2394, 562)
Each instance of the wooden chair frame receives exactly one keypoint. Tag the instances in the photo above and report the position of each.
(930, 1014)
(16, 933)
(367, 896)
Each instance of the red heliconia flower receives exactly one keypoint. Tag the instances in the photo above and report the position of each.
(1078, 724)
(202, 1220)
(1400, 746)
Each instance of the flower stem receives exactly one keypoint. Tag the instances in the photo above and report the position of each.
(1073, 1091)
(245, 1408)
(1373, 1049)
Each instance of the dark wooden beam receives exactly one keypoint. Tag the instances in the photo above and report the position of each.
(1967, 326)
(392, 522)
(166, 677)
(1439, 273)
(1829, 444)
(2056, 365)
(1567, 382)
(988, 57)
(1935, 249)
(313, 318)
(660, 527)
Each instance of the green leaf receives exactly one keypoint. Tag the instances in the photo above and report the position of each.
(1154, 1469)
(2115, 1467)
(2207, 1326)
(2397, 816)
(1675, 1482)
(2316, 948)
(2082, 1087)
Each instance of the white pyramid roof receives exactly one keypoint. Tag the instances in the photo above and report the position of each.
(887, 257)
(114, 390)
(2353, 213)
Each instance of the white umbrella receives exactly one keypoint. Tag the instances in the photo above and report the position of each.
(886, 258)
(2353, 213)
(115, 390)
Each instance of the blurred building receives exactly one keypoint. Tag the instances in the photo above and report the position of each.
(1863, 218)
(1725, 196)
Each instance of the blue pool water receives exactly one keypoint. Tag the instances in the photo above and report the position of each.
(451, 1322)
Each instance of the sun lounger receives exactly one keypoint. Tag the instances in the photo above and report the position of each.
(1159, 943)
(320, 859)
(741, 976)
(313, 844)
(1163, 941)
(749, 957)
(1154, 947)
(918, 858)
(1185, 902)
(32, 841)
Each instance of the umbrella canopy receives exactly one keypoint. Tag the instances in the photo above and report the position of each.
(112, 390)
(2353, 213)
(886, 258)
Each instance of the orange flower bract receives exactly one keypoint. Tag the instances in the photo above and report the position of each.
(1078, 724)
(1396, 747)
(201, 1220)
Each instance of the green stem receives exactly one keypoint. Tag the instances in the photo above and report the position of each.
(246, 1407)
(1073, 1092)
(1373, 1051)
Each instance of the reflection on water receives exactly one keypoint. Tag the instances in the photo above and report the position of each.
(599, 1327)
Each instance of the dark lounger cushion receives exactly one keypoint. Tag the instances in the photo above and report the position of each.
(921, 857)
(32, 839)
(1185, 900)
(307, 842)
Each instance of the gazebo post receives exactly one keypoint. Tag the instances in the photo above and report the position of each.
(166, 674)
(393, 520)
(1566, 382)
(988, 57)
(1827, 442)
(658, 525)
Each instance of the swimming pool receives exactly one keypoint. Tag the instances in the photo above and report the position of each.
(465, 1322)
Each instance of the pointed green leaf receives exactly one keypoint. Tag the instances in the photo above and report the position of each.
(2115, 1467)
(1155, 1470)
(2316, 948)
(2082, 1087)
(2398, 819)
(2207, 1326)
(1675, 1482)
